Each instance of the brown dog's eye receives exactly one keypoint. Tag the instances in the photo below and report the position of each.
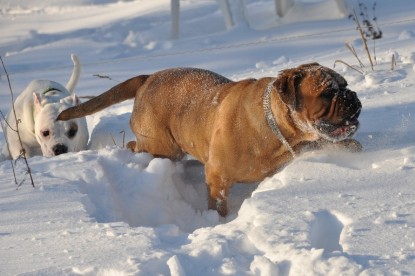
(45, 133)
(72, 131)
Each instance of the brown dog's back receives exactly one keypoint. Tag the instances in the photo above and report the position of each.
(173, 112)
(184, 77)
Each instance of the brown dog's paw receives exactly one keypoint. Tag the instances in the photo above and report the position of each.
(131, 145)
(217, 199)
(351, 145)
(219, 205)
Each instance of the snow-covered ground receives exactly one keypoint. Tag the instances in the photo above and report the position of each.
(107, 211)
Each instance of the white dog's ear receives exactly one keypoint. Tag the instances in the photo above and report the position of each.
(76, 100)
(70, 100)
(37, 102)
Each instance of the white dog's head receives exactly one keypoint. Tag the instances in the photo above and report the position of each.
(57, 137)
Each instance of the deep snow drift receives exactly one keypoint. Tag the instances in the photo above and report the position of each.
(107, 211)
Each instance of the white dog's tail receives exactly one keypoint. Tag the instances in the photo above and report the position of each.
(76, 72)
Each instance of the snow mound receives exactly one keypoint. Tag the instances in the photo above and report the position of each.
(140, 190)
(325, 231)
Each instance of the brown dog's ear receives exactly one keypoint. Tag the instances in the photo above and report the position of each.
(286, 85)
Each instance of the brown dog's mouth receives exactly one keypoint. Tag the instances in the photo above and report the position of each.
(345, 130)
(338, 132)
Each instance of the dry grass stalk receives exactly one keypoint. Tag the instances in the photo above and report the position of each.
(354, 53)
(348, 65)
(359, 28)
(123, 139)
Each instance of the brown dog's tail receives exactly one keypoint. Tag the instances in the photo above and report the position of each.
(119, 93)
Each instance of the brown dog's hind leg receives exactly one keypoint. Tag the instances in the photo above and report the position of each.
(173, 153)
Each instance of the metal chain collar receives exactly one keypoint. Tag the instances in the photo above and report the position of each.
(271, 120)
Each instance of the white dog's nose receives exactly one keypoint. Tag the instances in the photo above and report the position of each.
(59, 149)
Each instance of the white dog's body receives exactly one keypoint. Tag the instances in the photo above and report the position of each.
(37, 108)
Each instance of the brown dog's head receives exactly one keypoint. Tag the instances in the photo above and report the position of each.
(320, 101)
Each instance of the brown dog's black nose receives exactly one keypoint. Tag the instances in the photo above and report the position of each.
(59, 149)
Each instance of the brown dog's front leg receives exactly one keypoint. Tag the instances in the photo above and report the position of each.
(218, 191)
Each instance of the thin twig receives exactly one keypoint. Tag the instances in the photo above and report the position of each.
(101, 76)
(113, 140)
(17, 125)
(104, 77)
(8, 149)
(86, 97)
(351, 67)
(393, 63)
(21, 182)
(123, 138)
(7, 123)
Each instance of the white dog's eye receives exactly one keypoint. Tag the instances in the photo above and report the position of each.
(45, 133)
(72, 131)
(51, 91)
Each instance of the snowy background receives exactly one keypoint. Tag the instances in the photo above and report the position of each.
(107, 211)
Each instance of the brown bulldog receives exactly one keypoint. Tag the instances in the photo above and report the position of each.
(242, 131)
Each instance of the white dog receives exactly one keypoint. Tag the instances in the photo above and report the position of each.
(37, 108)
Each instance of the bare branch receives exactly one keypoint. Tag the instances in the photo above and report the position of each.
(17, 125)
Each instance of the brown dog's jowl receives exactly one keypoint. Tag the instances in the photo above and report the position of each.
(241, 131)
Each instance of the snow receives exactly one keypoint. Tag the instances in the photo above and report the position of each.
(106, 211)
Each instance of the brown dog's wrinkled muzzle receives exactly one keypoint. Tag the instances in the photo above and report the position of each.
(341, 121)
